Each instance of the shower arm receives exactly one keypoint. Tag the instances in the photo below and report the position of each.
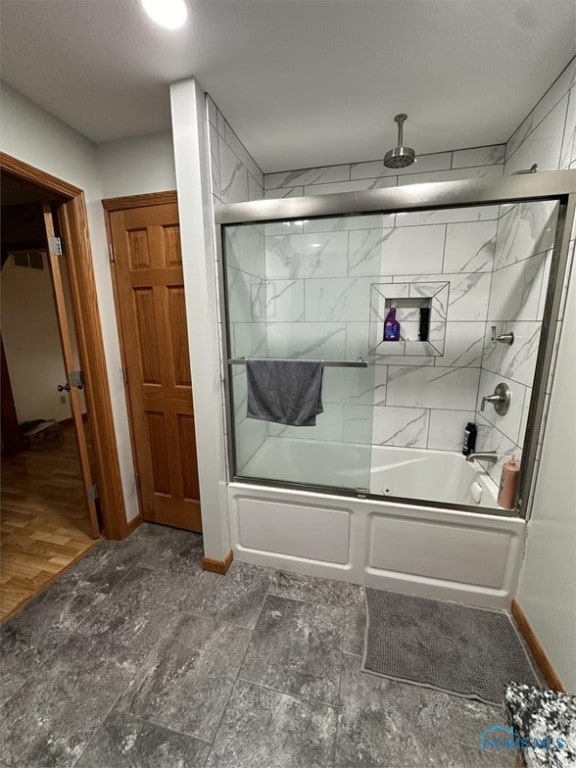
(400, 120)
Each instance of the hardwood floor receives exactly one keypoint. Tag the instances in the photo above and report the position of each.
(44, 522)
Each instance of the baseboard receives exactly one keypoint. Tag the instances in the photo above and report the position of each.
(132, 525)
(217, 566)
(536, 648)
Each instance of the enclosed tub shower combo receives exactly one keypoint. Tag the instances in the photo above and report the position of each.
(378, 491)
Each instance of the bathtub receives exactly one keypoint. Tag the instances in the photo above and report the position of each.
(454, 549)
(407, 473)
(437, 476)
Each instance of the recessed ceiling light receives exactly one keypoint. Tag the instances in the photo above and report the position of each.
(170, 14)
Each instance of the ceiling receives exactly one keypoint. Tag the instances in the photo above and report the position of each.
(303, 82)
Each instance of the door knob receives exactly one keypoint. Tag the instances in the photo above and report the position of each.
(62, 387)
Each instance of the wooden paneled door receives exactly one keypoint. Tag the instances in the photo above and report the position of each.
(152, 317)
(73, 385)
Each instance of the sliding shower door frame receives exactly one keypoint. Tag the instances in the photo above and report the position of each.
(559, 186)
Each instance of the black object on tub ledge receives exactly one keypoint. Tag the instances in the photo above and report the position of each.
(469, 442)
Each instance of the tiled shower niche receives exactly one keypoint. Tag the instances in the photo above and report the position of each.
(421, 310)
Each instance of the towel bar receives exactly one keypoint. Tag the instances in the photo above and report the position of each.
(327, 363)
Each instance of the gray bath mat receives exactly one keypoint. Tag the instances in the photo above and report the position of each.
(470, 652)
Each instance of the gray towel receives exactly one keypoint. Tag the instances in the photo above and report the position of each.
(285, 391)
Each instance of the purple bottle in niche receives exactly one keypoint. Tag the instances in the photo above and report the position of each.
(391, 326)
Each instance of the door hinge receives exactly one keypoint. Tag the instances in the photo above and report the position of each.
(111, 252)
(76, 379)
(125, 375)
(55, 246)
(92, 492)
(137, 480)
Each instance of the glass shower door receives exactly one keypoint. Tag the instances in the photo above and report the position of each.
(290, 295)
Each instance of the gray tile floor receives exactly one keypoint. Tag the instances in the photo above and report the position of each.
(137, 658)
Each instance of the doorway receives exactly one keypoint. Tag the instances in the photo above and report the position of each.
(70, 221)
(48, 520)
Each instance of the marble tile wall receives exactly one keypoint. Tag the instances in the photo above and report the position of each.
(246, 287)
(517, 297)
(316, 304)
(356, 177)
(236, 178)
(316, 274)
(332, 263)
(547, 136)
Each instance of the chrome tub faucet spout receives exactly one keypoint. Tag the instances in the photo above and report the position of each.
(490, 456)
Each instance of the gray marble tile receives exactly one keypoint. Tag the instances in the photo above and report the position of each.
(29, 638)
(266, 729)
(187, 678)
(236, 597)
(104, 566)
(124, 742)
(180, 552)
(22, 651)
(313, 589)
(51, 719)
(296, 649)
(469, 718)
(136, 611)
(385, 723)
(151, 532)
(355, 628)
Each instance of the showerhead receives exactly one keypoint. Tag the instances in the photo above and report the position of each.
(399, 157)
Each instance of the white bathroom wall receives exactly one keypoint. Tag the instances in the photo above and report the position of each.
(32, 343)
(137, 165)
(547, 584)
(34, 136)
